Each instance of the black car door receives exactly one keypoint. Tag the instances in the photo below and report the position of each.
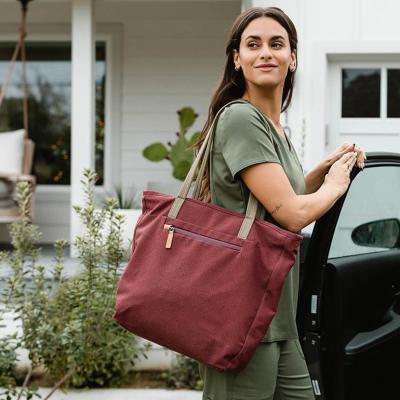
(349, 305)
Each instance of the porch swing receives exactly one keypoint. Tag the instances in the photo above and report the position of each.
(16, 149)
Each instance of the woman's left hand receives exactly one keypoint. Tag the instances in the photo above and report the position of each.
(345, 148)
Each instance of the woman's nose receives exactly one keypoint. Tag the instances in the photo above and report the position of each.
(265, 52)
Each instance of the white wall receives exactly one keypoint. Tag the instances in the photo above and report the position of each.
(172, 54)
(327, 31)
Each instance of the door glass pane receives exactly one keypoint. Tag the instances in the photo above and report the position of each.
(49, 90)
(361, 92)
(373, 198)
(393, 97)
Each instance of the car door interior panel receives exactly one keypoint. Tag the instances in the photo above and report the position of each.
(362, 327)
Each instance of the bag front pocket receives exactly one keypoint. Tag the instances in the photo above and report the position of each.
(172, 230)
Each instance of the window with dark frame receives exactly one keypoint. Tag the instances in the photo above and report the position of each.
(361, 93)
(393, 93)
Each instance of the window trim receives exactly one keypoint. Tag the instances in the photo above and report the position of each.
(110, 34)
(322, 54)
(382, 66)
(361, 126)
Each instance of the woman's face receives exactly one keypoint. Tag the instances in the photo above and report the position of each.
(264, 41)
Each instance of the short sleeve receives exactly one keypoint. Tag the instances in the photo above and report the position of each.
(244, 139)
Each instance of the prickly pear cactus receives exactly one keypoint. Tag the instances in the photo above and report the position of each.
(180, 154)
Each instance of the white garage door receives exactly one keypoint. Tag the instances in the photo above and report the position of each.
(364, 105)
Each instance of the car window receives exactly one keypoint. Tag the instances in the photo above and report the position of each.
(373, 197)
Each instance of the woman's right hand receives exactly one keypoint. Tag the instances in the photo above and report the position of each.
(339, 172)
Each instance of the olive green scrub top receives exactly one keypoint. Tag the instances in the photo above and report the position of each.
(243, 137)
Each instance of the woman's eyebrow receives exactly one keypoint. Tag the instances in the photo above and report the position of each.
(272, 38)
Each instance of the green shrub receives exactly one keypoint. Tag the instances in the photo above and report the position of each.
(67, 322)
(16, 294)
(8, 383)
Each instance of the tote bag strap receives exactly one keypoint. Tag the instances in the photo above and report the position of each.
(207, 158)
(202, 157)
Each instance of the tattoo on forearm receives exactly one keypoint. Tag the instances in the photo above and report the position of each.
(276, 209)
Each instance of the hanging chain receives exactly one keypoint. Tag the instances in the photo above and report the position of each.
(19, 50)
(24, 80)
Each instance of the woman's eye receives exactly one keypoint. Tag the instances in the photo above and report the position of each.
(254, 44)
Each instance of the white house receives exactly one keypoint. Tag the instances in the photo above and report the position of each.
(153, 57)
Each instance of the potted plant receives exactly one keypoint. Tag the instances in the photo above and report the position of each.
(179, 153)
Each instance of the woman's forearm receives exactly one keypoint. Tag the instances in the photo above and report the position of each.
(270, 185)
(315, 178)
(312, 206)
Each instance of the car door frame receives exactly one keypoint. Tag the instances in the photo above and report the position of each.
(310, 312)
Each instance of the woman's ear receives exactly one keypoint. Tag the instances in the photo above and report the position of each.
(293, 56)
(235, 56)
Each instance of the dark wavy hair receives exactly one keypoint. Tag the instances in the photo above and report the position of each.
(233, 85)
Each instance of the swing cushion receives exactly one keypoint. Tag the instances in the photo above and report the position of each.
(11, 152)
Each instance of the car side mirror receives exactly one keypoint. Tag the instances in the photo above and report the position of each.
(383, 233)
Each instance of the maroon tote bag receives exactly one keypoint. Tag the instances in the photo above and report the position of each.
(202, 280)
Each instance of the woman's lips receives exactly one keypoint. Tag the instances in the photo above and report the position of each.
(266, 68)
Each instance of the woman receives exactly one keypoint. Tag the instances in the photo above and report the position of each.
(251, 152)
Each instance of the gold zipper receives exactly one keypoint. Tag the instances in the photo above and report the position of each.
(170, 236)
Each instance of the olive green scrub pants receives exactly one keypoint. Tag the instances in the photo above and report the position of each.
(276, 371)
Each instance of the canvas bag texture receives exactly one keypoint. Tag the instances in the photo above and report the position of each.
(209, 286)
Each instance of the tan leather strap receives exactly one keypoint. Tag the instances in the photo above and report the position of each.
(207, 155)
(253, 206)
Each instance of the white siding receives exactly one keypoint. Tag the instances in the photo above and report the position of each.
(327, 31)
(172, 54)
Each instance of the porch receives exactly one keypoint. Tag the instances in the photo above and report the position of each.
(151, 59)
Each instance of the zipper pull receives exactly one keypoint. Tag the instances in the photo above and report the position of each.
(170, 236)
